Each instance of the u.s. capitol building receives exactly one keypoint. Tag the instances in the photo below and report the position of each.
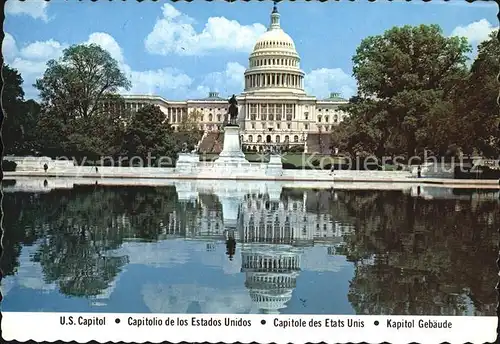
(273, 108)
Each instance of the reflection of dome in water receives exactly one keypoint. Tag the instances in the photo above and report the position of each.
(270, 291)
(271, 273)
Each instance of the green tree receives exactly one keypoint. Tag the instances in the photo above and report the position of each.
(406, 79)
(148, 134)
(12, 100)
(409, 259)
(19, 129)
(79, 228)
(73, 90)
(477, 101)
(189, 130)
(75, 84)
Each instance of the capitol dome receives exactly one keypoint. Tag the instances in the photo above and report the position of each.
(274, 65)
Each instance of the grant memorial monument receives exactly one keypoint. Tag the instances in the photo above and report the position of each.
(232, 155)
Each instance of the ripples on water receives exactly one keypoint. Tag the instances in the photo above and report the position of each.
(161, 249)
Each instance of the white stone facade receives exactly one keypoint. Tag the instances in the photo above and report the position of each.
(273, 108)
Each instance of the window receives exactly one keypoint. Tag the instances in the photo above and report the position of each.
(259, 138)
(289, 125)
(287, 138)
(296, 138)
(263, 109)
(278, 139)
(326, 118)
(278, 126)
(319, 119)
(335, 118)
(218, 118)
(306, 114)
(306, 126)
(253, 125)
(250, 138)
(210, 118)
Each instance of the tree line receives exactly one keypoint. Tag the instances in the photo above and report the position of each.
(408, 259)
(417, 92)
(80, 114)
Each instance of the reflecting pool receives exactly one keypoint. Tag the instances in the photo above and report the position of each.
(250, 248)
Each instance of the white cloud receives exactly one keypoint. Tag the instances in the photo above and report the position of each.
(174, 33)
(9, 47)
(143, 82)
(42, 51)
(475, 32)
(108, 43)
(36, 9)
(155, 82)
(320, 82)
(229, 81)
(31, 61)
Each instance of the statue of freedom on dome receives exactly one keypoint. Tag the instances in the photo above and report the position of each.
(233, 110)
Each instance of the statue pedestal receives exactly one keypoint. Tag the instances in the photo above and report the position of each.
(231, 155)
(274, 166)
(187, 163)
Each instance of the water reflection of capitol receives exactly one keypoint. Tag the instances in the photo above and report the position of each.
(272, 229)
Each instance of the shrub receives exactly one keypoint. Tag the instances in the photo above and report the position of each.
(9, 166)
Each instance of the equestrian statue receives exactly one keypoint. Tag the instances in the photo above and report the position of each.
(233, 111)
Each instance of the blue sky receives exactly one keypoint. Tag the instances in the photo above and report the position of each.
(183, 50)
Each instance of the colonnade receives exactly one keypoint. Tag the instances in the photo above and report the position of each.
(271, 263)
(274, 80)
(175, 114)
(280, 280)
